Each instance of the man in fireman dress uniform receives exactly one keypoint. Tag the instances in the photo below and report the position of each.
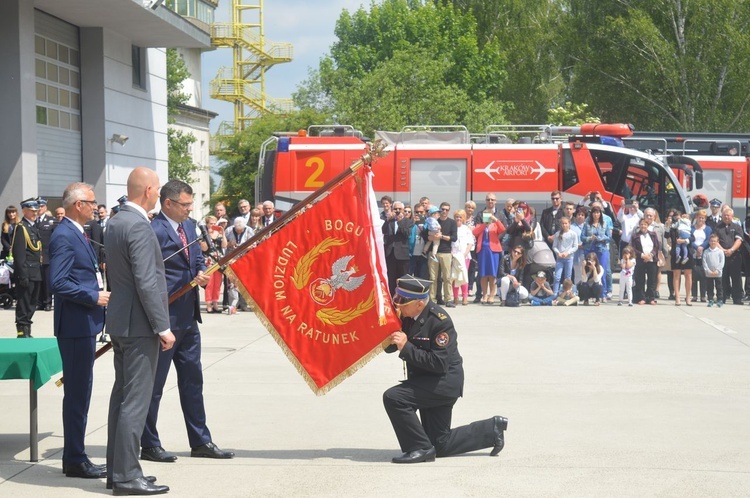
(435, 381)
(27, 253)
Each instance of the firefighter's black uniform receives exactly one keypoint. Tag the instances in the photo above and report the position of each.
(435, 380)
(27, 268)
(45, 226)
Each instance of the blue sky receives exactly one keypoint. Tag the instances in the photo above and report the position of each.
(306, 24)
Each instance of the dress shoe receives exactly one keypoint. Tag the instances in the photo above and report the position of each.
(138, 486)
(102, 467)
(501, 423)
(210, 450)
(85, 470)
(157, 454)
(417, 456)
(148, 478)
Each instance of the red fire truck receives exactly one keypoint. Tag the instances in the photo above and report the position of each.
(724, 160)
(448, 164)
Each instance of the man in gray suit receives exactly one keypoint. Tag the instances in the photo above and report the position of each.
(138, 322)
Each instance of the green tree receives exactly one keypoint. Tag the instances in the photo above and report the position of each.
(407, 62)
(181, 166)
(239, 159)
(662, 64)
(528, 34)
(409, 89)
(570, 114)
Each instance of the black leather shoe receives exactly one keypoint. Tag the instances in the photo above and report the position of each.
(210, 450)
(138, 486)
(427, 455)
(148, 478)
(157, 454)
(84, 470)
(501, 423)
(102, 467)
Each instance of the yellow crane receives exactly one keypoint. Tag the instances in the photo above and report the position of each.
(244, 83)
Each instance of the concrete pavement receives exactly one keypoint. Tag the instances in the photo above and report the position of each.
(642, 401)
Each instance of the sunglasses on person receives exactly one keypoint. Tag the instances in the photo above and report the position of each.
(445, 209)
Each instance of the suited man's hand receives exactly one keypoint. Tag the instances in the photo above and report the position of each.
(103, 298)
(202, 279)
(167, 341)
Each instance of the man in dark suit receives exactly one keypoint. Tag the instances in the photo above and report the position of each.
(269, 215)
(428, 345)
(46, 224)
(26, 249)
(550, 222)
(175, 231)
(396, 231)
(79, 315)
(138, 322)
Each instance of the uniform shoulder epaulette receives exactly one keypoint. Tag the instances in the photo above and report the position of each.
(438, 313)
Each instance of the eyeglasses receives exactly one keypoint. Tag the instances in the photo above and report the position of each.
(555, 198)
(445, 209)
(407, 211)
(94, 203)
(183, 204)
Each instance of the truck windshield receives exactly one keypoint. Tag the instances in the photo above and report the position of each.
(633, 177)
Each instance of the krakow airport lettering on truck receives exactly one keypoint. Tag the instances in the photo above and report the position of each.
(447, 164)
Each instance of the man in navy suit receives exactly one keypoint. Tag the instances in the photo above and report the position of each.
(79, 315)
(175, 231)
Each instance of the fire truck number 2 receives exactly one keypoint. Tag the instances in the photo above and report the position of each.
(312, 180)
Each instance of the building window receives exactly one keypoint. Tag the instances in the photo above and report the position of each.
(58, 85)
(139, 67)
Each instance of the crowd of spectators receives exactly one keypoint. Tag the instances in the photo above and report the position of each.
(566, 257)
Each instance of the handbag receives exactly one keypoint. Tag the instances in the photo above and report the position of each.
(513, 298)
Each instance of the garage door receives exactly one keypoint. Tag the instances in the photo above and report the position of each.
(58, 104)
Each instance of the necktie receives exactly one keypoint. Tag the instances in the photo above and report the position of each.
(183, 238)
(85, 236)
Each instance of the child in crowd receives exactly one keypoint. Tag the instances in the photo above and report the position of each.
(591, 280)
(568, 295)
(234, 297)
(713, 266)
(565, 245)
(541, 293)
(433, 227)
(627, 266)
(683, 226)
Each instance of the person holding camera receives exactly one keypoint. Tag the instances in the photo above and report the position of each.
(596, 236)
(591, 280)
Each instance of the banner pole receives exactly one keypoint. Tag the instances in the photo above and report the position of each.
(373, 151)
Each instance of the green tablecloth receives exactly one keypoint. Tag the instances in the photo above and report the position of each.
(35, 359)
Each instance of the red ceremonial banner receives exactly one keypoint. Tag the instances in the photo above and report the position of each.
(318, 284)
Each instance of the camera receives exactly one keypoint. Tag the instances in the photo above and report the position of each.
(592, 196)
(519, 211)
(675, 218)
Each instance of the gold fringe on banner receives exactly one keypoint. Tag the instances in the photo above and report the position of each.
(319, 391)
